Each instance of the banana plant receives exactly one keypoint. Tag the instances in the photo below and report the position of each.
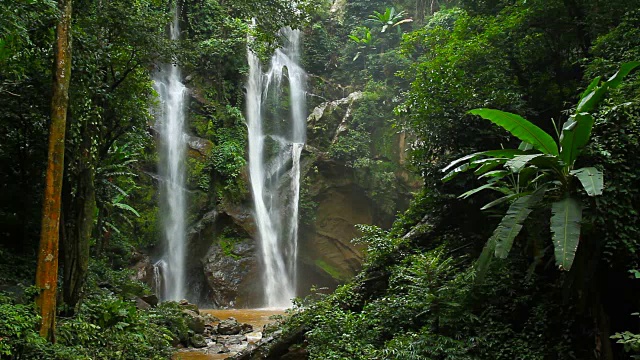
(540, 172)
(363, 42)
(389, 18)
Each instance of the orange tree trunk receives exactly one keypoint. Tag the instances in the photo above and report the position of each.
(47, 272)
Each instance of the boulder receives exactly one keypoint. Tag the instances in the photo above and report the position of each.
(229, 327)
(195, 322)
(246, 328)
(217, 349)
(141, 304)
(186, 305)
(198, 341)
(228, 270)
(198, 147)
(150, 299)
(142, 268)
(229, 340)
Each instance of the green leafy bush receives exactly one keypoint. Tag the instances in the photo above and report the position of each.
(107, 327)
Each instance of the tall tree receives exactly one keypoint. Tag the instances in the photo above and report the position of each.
(47, 272)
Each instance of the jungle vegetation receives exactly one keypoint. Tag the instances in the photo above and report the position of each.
(523, 119)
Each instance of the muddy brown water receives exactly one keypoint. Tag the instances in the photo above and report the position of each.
(256, 317)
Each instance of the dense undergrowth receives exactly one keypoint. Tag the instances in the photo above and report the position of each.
(107, 324)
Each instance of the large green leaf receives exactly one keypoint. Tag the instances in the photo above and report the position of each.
(575, 136)
(484, 260)
(590, 100)
(517, 163)
(487, 165)
(511, 223)
(591, 86)
(495, 174)
(525, 146)
(566, 216)
(593, 94)
(460, 169)
(547, 162)
(520, 128)
(127, 208)
(503, 199)
(495, 158)
(476, 190)
(625, 69)
(461, 159)
(502, 153)
(591, 179)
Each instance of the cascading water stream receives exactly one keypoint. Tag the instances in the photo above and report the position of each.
(276, 140)
(171, 267)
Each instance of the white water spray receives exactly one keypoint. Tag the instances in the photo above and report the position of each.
(173, 149)
(276, 139)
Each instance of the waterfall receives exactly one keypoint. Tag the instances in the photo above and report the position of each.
(158, 269)
(276, 139)
(170, 119)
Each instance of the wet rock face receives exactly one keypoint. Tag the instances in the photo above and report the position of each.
(226, 273)
(198, 147)
(226, 267)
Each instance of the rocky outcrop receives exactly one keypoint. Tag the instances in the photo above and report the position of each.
(227, 266)
(142, 268)
(229, 327)
(195, 322)
(223, 270)
(329, 119)
(198, 147)
(226, 336)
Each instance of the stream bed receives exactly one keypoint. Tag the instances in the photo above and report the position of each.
(257, 318)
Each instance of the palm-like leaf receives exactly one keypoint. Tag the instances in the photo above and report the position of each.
(497, 155)
(512, 222)
(519, 162)
(566, 216)
(520, 128)
(575, 136)
(591, 179)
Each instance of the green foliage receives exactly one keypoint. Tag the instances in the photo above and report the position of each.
(228, 161)
(354, 145)
(520, 128)
(107, 327)
(389, 18)
(551, 169)
(615, 143)
(227, 244)
(102, 275)
(307, 205)
(384, 325)
(380, 245)
(16, 37)
(629, 340)
(17, 326)
(522, 57)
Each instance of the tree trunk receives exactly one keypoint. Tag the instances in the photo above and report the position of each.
(47, 271)
(79, 212)
(420, 11)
